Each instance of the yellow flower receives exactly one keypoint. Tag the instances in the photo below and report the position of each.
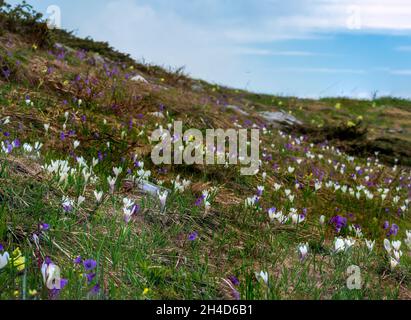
(338, 106)
(360, 118)
(18, 260)
(146, 291)
(34, 46)
(16, 293)
(33, 292)
(350, 124)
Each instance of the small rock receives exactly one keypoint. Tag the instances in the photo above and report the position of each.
(150, 188)
(238, 109)
(197, 87)
(98, 59)
(280, 117)
(139, 78)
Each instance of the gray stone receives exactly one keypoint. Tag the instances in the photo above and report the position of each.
(237, 109)
(139, 78)
(280, 117)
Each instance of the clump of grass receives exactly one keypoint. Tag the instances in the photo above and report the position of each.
(24, 20)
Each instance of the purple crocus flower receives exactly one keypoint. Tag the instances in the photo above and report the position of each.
(305, 212)
(193, 236)
(78, 260)
(90, 264)
(135, 209)
(339, 222)
(67, 207)
(90, 277)
(200, 200)
(47, 261)
(55, 292)
(6, 73)
(234, 280)
(63, 283)
(44, 226)
(16, 143)
(1, 248)
(393, 230)
(95, 290)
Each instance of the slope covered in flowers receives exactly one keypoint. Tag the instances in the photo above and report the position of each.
(80, 195)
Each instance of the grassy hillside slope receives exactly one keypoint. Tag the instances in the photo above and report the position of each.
(75, 168)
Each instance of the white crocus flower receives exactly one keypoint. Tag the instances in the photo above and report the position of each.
(51, 276)
(264, 276)
(128, 209)
(127, 202)
(387, 245)
(112, 183)
(322, 220)
(86, 175)
(408, 239)
(339, 245)
(397, 255)
(303, 251)
(98, 195)
(297, 218)
(251, 202)
(272, 213)
(80, 200)
(394, 263)
(4, 259)
(94, 162)
(142, 174)
(370, 245)
(349, 243)
(117, 171)
(396, 245)
(46, 127)
(163, 199)
(128, 213)
(76, 144)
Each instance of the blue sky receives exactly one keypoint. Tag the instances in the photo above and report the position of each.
(307, 48)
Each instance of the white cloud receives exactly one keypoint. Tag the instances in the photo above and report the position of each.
(163, 38)
(301, 19)
(214, 37)
(325, 70)
(403, 48)
(264, 52)
(401, 72)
